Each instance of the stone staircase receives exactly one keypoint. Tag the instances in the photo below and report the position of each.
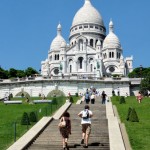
(50, 138)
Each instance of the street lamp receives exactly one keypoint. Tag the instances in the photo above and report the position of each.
(94, 72)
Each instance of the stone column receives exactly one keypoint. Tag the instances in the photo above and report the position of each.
(84, 66)
(76, 66)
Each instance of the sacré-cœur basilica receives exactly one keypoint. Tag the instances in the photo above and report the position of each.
(90, 52)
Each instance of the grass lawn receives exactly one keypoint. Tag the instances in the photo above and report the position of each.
(11, 113)
(138, 132)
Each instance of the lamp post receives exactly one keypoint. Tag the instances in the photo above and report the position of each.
(94, 72)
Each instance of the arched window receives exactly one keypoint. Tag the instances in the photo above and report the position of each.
(55, 57)
(117, 55)
(112, 54)
(91, 67)
(96, 42)
(70, 68)
(109, 54)
(58, 57)
(91, 42)
(81, 45)
(80, 62)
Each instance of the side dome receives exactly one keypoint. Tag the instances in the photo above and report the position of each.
(87, 14)
(58, 40)
(111, 40)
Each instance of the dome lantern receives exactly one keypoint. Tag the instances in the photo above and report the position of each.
(58, 40)
(111, 26)
(59, 29)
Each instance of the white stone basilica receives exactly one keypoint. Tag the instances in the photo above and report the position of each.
(90, 51)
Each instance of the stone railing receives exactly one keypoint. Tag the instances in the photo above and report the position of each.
(71, 77)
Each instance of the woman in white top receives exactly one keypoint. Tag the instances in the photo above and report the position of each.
(93, 98)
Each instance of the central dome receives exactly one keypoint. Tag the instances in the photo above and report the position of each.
(87, 14)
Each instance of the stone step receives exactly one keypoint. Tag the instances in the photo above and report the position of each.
(50, 138)
(100, 146)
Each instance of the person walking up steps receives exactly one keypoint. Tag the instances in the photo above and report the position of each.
(87, 97)
(93, 98)
(103, 97)
(86, 116)
(65, 130)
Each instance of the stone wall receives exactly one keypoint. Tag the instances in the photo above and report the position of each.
(45, 86)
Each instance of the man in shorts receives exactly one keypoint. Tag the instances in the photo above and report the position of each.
(86, 116)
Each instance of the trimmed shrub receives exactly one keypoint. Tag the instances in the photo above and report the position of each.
(77, 95)
(71, 99)
(54, 101)
(133, 116)
(129, 112)
(25, 119)
(122, 100)
(32, 117)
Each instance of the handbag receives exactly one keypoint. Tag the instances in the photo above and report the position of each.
(62, 124)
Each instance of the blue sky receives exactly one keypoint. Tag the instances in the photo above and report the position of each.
(27, 28)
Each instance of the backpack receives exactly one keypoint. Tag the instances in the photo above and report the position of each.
(85, 114)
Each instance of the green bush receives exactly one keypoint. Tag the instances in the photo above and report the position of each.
(54, 101)
(133, 116)
(25, 119)
(77, 95)
(129, 112)
(122, 100)
(32, 117)
(71, 99)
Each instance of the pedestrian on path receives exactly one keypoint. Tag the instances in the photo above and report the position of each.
(66, 130)
(86, 116)
(139, 97)
(103, 97)
(93, 98)
(87, 97)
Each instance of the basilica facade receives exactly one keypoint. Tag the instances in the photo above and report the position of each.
(90, 52)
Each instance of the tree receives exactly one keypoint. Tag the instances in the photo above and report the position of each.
(20, 73)
(12, 73)
(122, 100)
(139, 72)
(25, 119)
(129, 112)
(133, 117)
(30, 71)
(3, 74)
(145, 84)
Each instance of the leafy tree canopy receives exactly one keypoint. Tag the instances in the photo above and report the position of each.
(139, 72)
(13, 73)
